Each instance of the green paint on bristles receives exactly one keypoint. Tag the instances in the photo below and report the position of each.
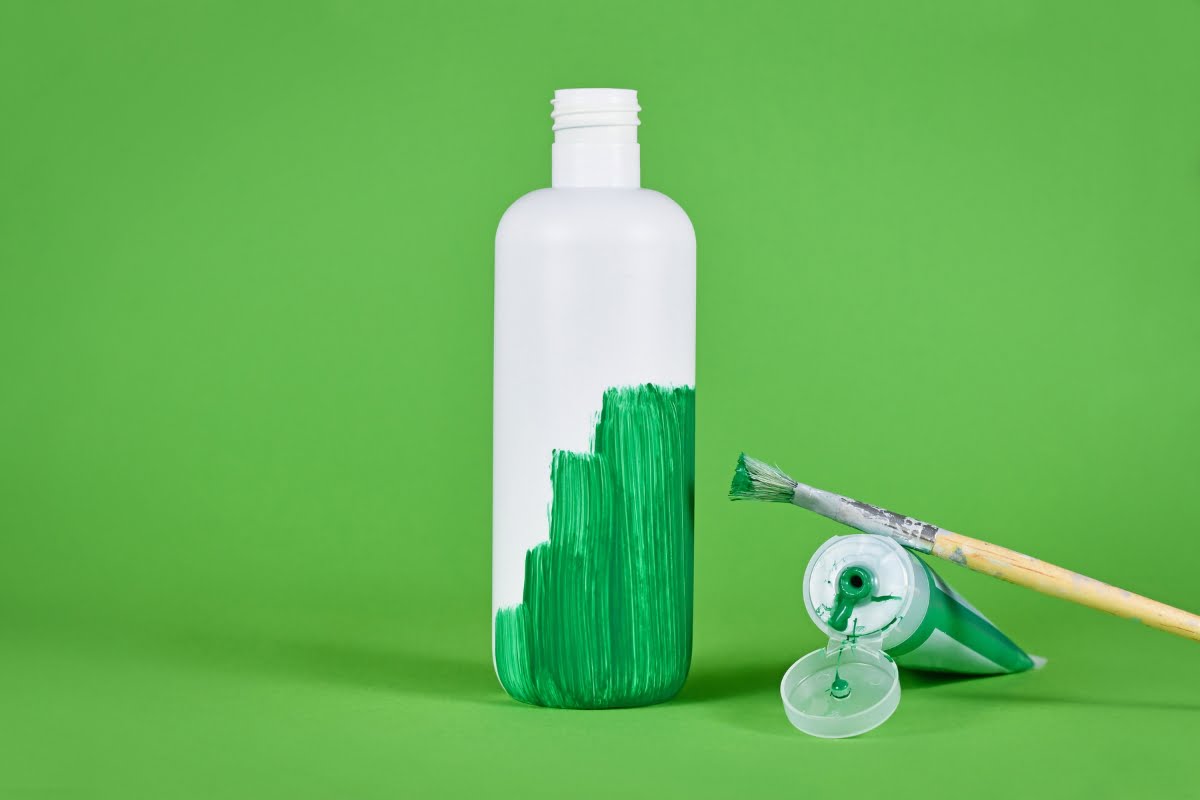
(743, 484)
(756, 480)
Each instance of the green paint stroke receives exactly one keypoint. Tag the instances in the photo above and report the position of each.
(606, 614)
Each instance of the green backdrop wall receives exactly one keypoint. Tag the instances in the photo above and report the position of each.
(949, 263)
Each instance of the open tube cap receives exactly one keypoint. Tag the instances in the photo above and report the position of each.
(846, 689)
(856, 589)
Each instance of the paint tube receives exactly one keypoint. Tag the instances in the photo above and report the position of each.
(881, 607)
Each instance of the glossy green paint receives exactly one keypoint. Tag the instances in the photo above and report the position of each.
(747, 486)
(854, 586)
(606, 615)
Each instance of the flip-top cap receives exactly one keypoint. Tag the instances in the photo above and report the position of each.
(843, 690)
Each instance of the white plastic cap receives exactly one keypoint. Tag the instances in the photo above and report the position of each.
(895, 576)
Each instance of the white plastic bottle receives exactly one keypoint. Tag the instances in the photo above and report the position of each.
(593, 458)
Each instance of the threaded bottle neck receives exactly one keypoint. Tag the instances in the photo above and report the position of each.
(595, 139)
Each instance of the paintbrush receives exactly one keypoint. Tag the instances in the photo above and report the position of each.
(754, 480)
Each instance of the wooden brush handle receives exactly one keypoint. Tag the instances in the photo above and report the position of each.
(1024, 570)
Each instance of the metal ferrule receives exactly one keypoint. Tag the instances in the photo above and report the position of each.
(912, 533)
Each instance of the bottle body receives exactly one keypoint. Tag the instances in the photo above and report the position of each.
(593, 447)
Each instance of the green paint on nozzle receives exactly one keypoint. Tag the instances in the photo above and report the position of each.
(840, 688)
(854, 585)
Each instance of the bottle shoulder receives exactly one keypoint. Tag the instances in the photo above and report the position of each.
(551, 212)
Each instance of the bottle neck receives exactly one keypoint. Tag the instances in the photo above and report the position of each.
(613, 165)
(595, 139)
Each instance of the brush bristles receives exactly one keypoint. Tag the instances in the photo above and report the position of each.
(754, 480)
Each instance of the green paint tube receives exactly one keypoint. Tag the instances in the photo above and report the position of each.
(881, 607)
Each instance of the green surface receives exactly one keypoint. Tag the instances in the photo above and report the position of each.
(949, 263)
(606, 614)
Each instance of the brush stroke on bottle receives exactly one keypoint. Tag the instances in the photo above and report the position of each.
(606, 614)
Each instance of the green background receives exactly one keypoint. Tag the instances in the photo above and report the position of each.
(949, 263)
